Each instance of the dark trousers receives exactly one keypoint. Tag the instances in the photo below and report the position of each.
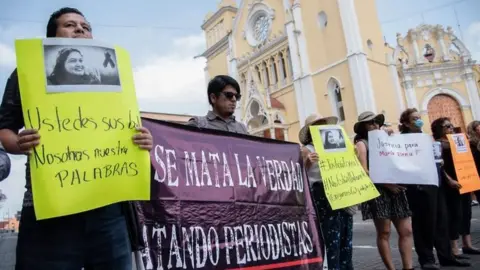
(337, 229)
(459, 212)
(95, 240)
(429, 223)
(338, 233)
(466, 202)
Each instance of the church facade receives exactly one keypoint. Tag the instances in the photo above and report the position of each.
(293, 58)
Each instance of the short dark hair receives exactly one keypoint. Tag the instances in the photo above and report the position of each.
(218, 83)
(437, 127)
(405, 119)
(52, 22)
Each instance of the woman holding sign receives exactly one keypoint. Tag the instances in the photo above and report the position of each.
(458, 205)
(427, 202)
(336, 224)
(473, 132)
(391, 206)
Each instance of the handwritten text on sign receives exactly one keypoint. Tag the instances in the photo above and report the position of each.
(86, 158)
(467, 174)
(344, 178)
(43, 156)
(225, 201)
(402, 158)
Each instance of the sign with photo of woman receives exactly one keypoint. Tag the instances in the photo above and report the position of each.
(86, 158)
(345, 181)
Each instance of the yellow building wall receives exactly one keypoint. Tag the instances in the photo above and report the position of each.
(320, 81)
(384, 92)
(217, 64)
(370, 29)
(467, 116)
(227, 17)
(325, 46)
(476, 72)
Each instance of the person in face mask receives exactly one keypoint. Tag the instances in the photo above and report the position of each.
(427, 203)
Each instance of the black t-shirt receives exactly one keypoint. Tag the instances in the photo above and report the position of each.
(11, 117)
(448, 164)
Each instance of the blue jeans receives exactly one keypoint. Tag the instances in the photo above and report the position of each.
(95, 240)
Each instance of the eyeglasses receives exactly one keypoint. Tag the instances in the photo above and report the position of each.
(448, 126)
(230, 95)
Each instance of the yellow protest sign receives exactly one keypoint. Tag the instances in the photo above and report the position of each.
(344, 178)
(80, 95)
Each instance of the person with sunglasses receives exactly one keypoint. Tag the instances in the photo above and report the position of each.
(391, 206)
(223, 93)
(429, 214)
(454, 200)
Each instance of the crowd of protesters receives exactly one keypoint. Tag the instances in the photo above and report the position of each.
(426, 217)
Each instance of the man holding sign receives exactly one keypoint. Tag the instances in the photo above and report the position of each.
(92, 239)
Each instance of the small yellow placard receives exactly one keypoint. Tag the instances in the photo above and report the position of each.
(344, 178)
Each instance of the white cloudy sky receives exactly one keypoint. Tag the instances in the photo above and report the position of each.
(164, 36)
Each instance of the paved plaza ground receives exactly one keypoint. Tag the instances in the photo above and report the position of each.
(365, 255)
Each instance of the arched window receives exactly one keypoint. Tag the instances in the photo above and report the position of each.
(336, 98)
(322, 20)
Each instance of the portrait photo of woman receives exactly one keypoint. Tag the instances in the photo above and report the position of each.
(333, 139)
(70, 69)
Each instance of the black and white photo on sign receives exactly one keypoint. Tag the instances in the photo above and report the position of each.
(437, 151)
(333, 139)
(80, 67)
(460, 143)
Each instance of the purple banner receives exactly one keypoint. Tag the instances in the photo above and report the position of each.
(227, 201)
